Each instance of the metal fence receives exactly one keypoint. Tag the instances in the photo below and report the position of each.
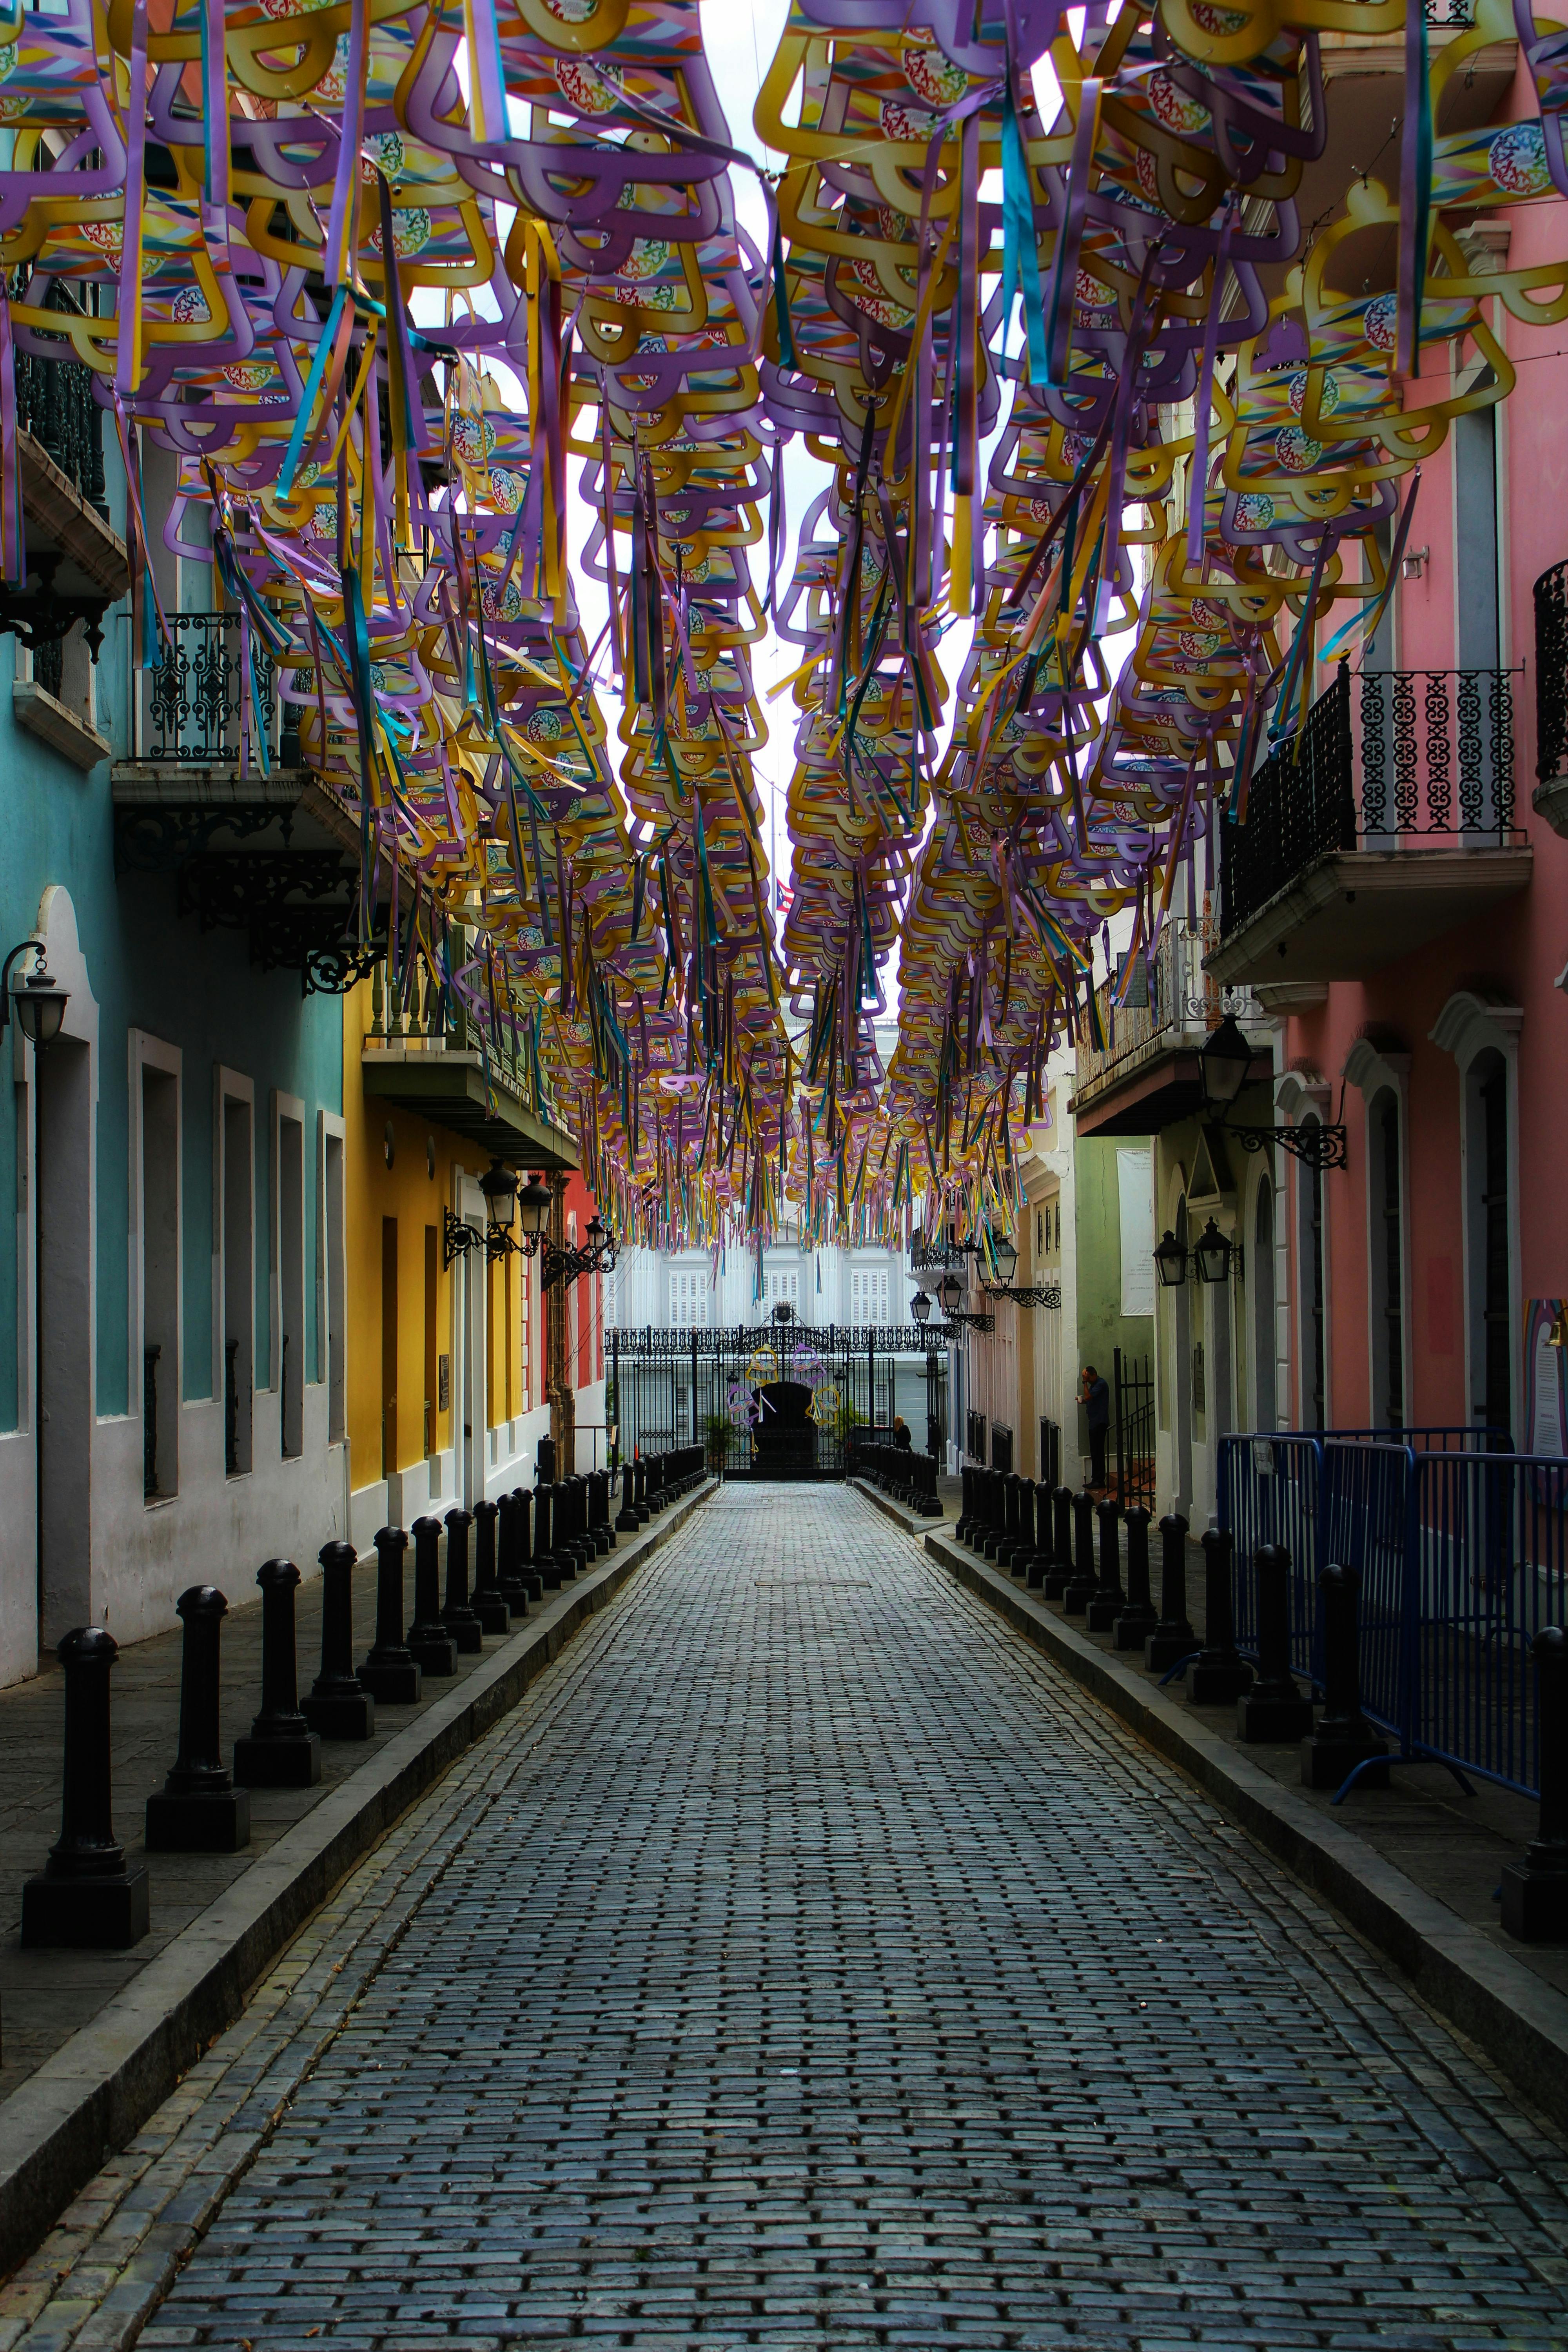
(1462, 1549)
(1133, 1391)
(773, 1402)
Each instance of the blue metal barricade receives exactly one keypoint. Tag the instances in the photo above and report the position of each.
(1491, 1569)
(1271, 1491)
(1462, 1549)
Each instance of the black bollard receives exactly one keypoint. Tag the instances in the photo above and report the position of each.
(1274, 1708)
(488, 1601)
(1535, 1892)
(339, 1706)
(1081, 1584)
(528, 1577)
(459, 1614)
(1110, 1601)
(502, 1518)
(489, 1557)
(643, 1506)
(430, 1645)
(568, 1557)
(390, 1672)
(1172, 1638)
(1343, 1738)
(85, 1898)
(198, 1810)
(545, 1558)
(1219, 1672)
(1058, 1575)
(1023, 1555)
(603, 1481)
(1039, 1562)
(1137, 1620)
(627, 1519)
(282, 1751)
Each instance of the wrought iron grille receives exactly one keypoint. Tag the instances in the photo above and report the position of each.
(1552, 673)
(1050, 1452)
(198, 693)
(771, 1403)
(1001, 1446)
(54, 405)
(150, 1422)
(974, 1435)
(1134, 1397)
(1416, 755)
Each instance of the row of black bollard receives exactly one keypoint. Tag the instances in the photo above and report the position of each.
(898, 1470)
(89, 1897)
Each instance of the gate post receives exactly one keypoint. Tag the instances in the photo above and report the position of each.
(1535, 1892)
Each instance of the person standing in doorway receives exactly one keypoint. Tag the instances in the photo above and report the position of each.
(1095, 1399)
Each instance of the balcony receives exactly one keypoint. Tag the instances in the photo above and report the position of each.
(1145, 1076)
(1550, 798)
(1386, 822)
(423, 1054)
(262, 849)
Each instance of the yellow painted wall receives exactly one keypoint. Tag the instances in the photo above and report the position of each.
(407, 1191)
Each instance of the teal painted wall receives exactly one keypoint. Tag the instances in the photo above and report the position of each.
(150, 970)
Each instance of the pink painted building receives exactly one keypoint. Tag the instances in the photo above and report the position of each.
(1401, 914)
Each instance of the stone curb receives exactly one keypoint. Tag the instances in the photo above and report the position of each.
(94, 2093)
(1505, 2009)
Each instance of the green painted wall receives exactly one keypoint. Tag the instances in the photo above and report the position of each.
(1102, 1326)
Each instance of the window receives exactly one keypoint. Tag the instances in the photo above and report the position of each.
(160, 1224)
(1386, 1255)
(432, 1296)
(1489, 1285)
(238, 1254)
(1309, 1263)
(1260, 1277)
(291, 1277)
(330, 1253)
(689, 1291)
(389, 1461)
(868, 1294)
(780, 1287)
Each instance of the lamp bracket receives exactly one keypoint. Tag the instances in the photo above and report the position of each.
(1319, 1147)
(457, 1238)
(1036, 1293)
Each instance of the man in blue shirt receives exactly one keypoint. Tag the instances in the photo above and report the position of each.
(1095, 1397)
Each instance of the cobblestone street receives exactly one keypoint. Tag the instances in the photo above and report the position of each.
(805, 1962)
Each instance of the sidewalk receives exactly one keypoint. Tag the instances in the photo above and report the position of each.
(1412, 1866)
(92, 2042)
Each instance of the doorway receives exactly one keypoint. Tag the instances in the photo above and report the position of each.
(389, 1457)
(62, 1414)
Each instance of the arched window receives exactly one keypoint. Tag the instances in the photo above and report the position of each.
(1385, 1247)
(1309, 1284)
(1260, 1274)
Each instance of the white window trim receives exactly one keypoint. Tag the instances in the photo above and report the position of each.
(1374, 1070)
(146, 1052)
(1467, 1026)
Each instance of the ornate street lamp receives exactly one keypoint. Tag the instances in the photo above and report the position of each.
(1171, 1262)
(1212, 1254)
(1223, 1068)
(948, 1293)
(919, 1306)
(533, 1205)
(1007, 1257)
(39, 999)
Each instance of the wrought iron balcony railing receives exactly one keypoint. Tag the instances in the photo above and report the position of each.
(1391, 759)
(417, 1013)
(195, 699)
(54, 405)
(1171, 1003)
(1552, 673)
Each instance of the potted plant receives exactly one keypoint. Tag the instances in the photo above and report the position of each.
(719, 1434)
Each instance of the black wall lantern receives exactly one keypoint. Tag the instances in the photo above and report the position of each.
(1171, 1262)
(39, 999)
(1212, 1254)
(1223, 1068)
(919, 1306)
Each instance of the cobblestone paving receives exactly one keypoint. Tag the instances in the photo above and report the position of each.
(806, 1963)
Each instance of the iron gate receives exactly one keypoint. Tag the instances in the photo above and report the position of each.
(774, 1400)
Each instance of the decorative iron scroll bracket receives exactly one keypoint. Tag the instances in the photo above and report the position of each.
(40, 618)
(457, 1238)
(1033, 1294)
(1319, 1147)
